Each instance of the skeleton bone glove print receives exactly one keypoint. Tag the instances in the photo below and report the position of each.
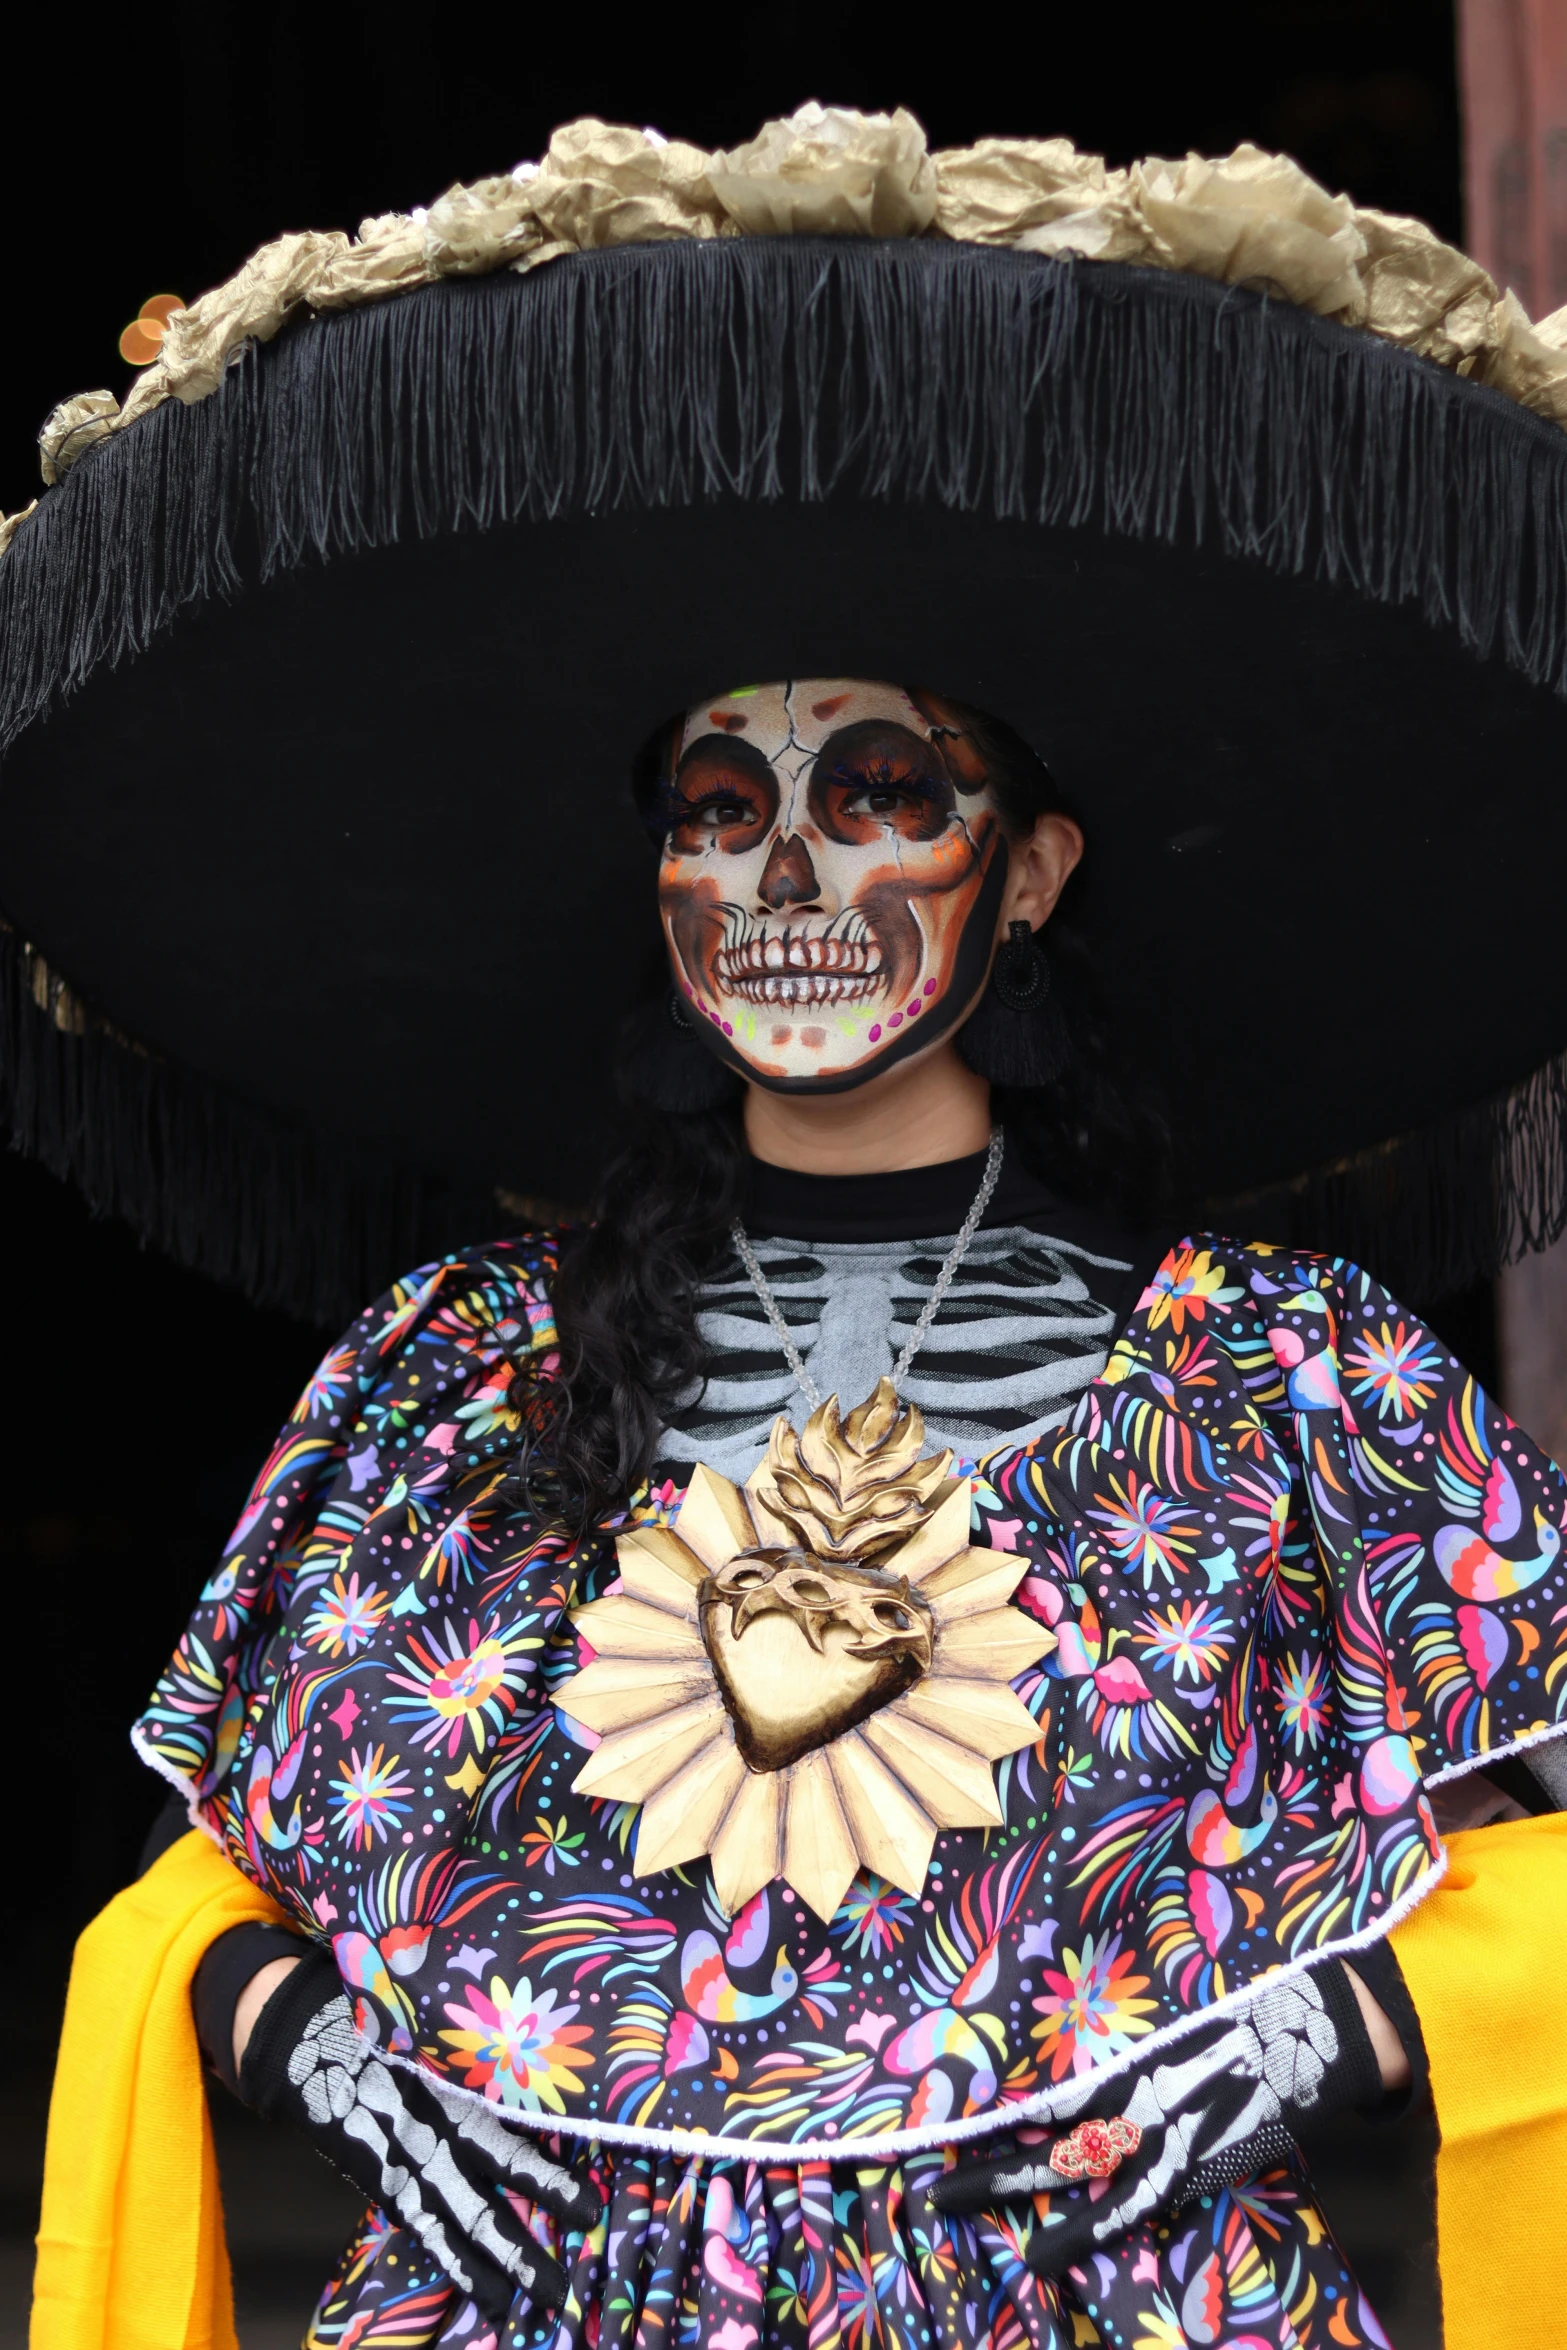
(431, 2159)
(1220, 2105)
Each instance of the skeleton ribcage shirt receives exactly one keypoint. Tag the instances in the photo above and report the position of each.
(1030, 1319)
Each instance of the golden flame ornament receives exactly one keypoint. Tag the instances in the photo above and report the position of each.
(857, 1490)
(809, 1676)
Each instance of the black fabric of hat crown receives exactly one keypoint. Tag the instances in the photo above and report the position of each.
(319, 699)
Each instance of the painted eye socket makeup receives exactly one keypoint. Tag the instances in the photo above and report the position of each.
(723, 793)
(831, 878)
(872, 776)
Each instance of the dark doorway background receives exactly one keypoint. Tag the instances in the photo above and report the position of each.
(151, 151)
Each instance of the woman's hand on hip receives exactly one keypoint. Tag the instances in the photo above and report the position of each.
(433, 2159)
(1218, 2105)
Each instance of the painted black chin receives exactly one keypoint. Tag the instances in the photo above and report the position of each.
(968, 976)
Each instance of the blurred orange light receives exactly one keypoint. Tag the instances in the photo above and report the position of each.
(143, 338)
(137, 346)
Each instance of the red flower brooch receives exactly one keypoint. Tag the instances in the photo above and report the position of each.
(1094, 2149)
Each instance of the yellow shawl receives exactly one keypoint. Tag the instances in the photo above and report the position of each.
(1484, 1960)
(131, 2254)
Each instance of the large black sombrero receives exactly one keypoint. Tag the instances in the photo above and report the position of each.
(322, 680)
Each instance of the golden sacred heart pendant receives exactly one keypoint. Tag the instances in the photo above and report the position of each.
(803, 1651)
(811, 1675)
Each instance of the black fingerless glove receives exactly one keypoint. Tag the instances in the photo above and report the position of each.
(1219, 2105)
(227, 1966)
(433, 2159)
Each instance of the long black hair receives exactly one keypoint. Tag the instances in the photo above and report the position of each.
(628, 1286)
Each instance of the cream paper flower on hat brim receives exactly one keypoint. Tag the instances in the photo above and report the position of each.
(1249, 218)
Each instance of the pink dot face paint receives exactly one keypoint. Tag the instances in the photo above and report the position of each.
(832, 871)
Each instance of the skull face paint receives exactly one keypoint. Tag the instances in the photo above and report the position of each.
(831, 877)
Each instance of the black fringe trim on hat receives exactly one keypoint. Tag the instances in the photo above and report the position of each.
(216, 1185)
(760, 369)
(757, 368)
(1434, 1211)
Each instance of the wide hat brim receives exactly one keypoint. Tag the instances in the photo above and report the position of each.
(321, 696)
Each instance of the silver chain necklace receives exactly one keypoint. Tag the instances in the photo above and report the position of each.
(928, 1312)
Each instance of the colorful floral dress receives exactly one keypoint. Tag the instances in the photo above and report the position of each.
(1296, 1565)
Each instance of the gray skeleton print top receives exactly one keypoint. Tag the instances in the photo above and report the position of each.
(1029, 1321)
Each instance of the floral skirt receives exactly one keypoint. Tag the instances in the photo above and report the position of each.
(709, 2255)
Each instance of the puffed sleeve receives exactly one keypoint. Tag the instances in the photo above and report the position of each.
(417, 1394)
(1441, 1518)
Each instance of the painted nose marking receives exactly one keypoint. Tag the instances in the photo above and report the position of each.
(788, 877)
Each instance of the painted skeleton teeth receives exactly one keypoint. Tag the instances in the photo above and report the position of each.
(755, 957)
(811, 987)
(799, 968)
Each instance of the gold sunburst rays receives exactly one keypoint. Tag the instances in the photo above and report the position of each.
(810, 1676)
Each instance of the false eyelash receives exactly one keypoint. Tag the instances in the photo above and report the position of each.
(671, 808)
(715, 799)
(885, 777)
(660, 812)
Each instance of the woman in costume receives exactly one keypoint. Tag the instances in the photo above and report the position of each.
(849, 1749)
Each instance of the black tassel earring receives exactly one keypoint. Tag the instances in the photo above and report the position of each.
(668, 1067)
(1020, 974)
(1017, 1035)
